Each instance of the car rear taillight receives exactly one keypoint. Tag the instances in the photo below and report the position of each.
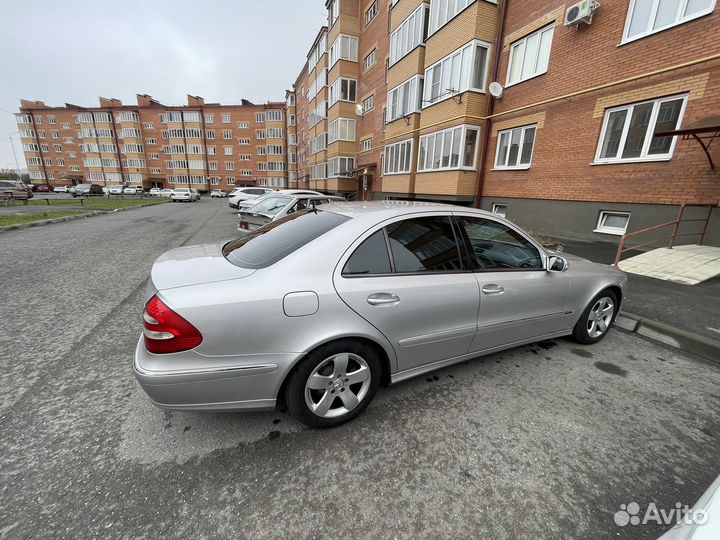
(167, 332)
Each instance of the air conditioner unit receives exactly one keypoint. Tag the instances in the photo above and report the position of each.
(581, 12)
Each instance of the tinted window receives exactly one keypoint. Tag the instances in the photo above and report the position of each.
(496, 246)
(371, 257)
(267, 245)
(424, 245)
(270, 206)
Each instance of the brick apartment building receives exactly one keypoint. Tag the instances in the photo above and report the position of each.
(394, 102)
(202, 145)
(571, 148)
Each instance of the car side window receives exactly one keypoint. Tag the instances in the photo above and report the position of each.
(371, 257)
(425, 244)
(494, 246)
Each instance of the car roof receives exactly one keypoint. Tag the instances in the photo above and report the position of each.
(395, 208)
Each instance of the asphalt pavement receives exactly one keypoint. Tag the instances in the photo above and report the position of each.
(693, 308)
(543, 441)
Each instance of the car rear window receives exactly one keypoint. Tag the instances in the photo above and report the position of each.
(271, 205)
(267, 245)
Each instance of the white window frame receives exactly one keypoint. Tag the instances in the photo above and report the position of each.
(409, 35)
(500, 209)
(336, 49)
(226, 118)
(464, 81)
(370, 59)
(653, 14)
(335, 93)
(518, 166)
(371, 12)
(440, 9)
(409, 91)
(336, 127)
(515, 45)
(644, 156)
(366, 145)
(371, 100)
(334, 163)
(395, 154)
(601, 228)
(463, 135)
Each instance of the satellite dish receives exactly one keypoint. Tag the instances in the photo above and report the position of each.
(496, 89)
(359, 109)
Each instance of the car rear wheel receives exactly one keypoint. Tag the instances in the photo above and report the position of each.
(596, 320)
(333, 384)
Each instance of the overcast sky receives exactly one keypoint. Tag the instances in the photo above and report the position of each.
(73, 51)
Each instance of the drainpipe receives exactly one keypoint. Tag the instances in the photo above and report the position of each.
(491, 101)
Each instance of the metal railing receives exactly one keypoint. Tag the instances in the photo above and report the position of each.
(675, 224)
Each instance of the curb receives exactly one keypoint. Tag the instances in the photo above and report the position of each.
(80, 215)
(669, 335)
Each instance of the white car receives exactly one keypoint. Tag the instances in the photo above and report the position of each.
(61, 189)
(154, 192)
(133, 190)
(115, 190)
(185, 194)
(167, 192)
(244, 205)
(247, 193)
(218, 193)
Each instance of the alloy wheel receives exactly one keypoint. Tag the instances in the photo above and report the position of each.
(337, 385)
(600, 317)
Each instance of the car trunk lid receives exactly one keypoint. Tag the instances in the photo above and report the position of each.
(193, 265)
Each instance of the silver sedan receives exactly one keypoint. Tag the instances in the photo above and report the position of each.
(319, 308)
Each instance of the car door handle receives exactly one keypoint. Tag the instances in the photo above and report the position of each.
(492, 289)
(383, 299)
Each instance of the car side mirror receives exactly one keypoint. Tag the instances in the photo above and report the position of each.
(557, 264)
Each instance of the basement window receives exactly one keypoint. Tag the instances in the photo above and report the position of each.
(612, 222)
(499, 209)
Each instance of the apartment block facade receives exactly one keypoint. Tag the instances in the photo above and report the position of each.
(567, 146)
(201, 145)
(394, 101)
(571, 145)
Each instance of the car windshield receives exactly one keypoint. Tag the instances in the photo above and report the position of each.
(267, 245)
(270, 206)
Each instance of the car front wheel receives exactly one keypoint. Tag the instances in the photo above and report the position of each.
(333, 384)
(596, 320)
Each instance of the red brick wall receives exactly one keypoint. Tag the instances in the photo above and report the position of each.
(567, 141)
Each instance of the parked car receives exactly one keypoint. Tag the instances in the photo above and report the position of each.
(43, 188)
(154, 192)
(87, 190)
(244, 205)
(244, 194)
(702, 522)
(185, 194)
(115, 190)
(12, 189)
(277, 206)
(167, 192)
(71, 189)
(61, 189)
(218, 193)
(133, 190)
(326, 304)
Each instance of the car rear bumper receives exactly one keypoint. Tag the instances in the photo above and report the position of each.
(240, 383)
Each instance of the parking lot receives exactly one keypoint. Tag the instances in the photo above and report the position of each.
(543, 441)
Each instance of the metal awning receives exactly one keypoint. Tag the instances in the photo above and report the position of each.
(704, 131)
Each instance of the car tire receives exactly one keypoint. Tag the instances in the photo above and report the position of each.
(321, 405)
(597, 318)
